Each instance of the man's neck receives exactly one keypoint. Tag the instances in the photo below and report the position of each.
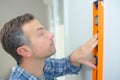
(33, 67)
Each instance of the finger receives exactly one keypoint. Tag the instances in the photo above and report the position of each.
(93, 39)
(92, 46)
(91, 65)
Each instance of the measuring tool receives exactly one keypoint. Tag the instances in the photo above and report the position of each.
(98, 27)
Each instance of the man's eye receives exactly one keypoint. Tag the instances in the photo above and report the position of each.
(41, 33)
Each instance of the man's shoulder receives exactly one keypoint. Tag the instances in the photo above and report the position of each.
(17, 74)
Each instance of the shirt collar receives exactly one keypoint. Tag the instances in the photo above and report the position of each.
(25, 74)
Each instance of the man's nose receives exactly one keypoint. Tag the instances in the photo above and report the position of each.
(51, 35)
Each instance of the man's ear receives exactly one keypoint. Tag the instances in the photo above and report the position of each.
(24, 51)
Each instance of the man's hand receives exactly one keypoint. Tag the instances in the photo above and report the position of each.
(80, 55)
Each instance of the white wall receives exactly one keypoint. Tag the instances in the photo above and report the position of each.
(112, 40)
(78, 30)
(10, 9)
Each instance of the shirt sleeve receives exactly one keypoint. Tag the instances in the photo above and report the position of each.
(60, 67)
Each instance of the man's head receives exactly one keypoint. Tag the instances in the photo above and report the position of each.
(25, 37)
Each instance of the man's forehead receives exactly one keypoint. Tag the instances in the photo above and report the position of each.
(32, 26)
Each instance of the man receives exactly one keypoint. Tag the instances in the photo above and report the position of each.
(26, 40)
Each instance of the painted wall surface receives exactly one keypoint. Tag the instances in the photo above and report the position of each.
(112, 40)
(78, 30)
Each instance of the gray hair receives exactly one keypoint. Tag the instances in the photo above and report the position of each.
(12, 35)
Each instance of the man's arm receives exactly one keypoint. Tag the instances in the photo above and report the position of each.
(59, 67)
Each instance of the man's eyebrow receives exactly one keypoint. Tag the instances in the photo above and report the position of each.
(39, 29)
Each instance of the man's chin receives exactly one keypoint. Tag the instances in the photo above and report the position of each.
(52, 53)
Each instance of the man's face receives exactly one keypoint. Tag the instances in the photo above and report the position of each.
(42, 44)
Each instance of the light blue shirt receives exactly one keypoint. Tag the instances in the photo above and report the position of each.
(53, 68)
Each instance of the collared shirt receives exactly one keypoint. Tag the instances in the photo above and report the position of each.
(53, 68)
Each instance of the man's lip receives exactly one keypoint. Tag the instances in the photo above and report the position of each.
(53, 44)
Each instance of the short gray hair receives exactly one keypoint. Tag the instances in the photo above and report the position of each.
(12, 35)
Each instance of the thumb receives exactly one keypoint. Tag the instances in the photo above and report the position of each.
(90, 64)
